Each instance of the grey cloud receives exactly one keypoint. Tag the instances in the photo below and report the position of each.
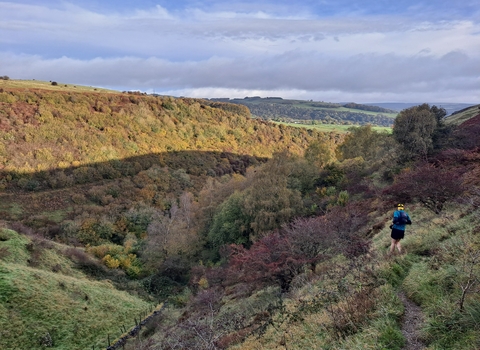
(161, 50)
(292, 70)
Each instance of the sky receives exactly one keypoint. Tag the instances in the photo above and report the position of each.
(362, 51)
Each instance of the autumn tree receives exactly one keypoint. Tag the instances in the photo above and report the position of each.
(213, 193)
(170, 233)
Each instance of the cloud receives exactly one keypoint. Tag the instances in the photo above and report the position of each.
(262, 47)
(297, 70)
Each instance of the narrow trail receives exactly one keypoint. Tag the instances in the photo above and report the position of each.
(411, 323)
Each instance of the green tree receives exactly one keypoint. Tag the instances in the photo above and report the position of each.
(319, 154)
(230, 224)
(269, 201)
(414, 129)
(364, 142)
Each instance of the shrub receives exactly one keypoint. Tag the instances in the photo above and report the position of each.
(111, 262)
(268, 260)
(28, 184)
(177, 268)
(430, 185)
(161, 286)
(85, 262)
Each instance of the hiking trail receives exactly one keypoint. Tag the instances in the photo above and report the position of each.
(411, 323)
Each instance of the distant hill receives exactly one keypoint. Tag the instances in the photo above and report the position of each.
(60, 127)
(449, 107)
(278, 109)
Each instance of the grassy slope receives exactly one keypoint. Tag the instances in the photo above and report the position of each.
(37, 303)
(44, 85)
(430, 274)
(463, 115)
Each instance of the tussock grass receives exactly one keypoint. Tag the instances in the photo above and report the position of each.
(40, 308)
(437, 280)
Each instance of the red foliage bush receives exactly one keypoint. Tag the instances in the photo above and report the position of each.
(467, 136)
(268, 260)
(279, 257)
(432, 186)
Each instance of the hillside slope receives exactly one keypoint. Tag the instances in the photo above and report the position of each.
(47, 302)
(259, 236)
(463, 115)
(330, 281)
(279, 109)
(44, 129)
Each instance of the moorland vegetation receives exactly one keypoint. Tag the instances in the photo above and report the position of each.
(256, 235)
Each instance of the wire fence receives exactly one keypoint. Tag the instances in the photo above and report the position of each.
(126, 334)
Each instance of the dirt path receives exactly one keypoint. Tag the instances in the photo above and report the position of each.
(412, 321)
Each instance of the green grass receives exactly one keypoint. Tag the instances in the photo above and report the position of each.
(39, 307)
(443, 246)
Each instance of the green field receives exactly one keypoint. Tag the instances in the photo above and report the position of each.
(332, 127)
(343, 109)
